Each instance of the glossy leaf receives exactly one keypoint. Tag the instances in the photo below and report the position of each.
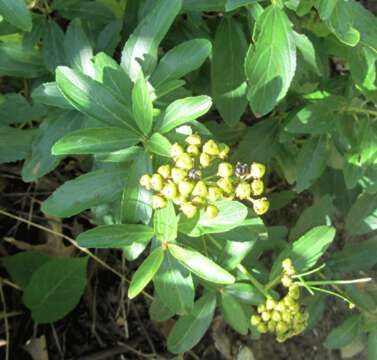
(234, 313)
(189, 329)
(183, 111)
(142, 105)
(95, 140)
(49, 94)
(181, 60)
(159, 144)
(165, 223)
(114, 236)
(143, 44)
(271, 63)
(53, 51)
(101, 186)
(16, 12)
(174, 285)
(145, 272)
(92, 98)
(201, 265)
(372, 344)
(245, 293)
(55, 289)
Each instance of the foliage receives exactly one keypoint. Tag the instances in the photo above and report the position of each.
(287, 83)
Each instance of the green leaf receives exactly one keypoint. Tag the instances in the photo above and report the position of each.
(78, 49)
(201, 265)
(228, 77)
(234, 313)
(360, 256)
(231, 214)
(145, 273)
(271, 63)
(109, 37)
(189, 329)
(95, 140)
(101, 186)
(316, 118)
(41, 161)
(22, 265)
(245, 293)
(372, 344)
(53, 51)
(16, 13)
(183, 111)
(306, 251)
(231, 5)
(181, 60)
(49, 94)
(311, 161)
(15, 109)
(114, 78)
(15, 144)
(174, 286)
(325, 8)
(18, 62)
(204, 5)
(158, 311)
(55, 289)
(343, 334)
(362, 217)
(136, 200)
(142, 105)
(92, 98)
(158, 144)
(341, 24)
(317, 214)
(165, 223)
(114, 236)
(142, 45)
(260, 142)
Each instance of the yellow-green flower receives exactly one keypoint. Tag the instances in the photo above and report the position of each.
(261, 206)
(212, 211)
(224, 151)
(194, 139)
(200, 189)
(178, 175)
(225, 170)
(257, 187)
(257, 170)
(184, 161)
(176, 150)
(156, 182)
(170, 191)
(243, 190)
(225, 185)
(145, 181)
(164, 171)
(189, 209)
(214, 193)
(185, 187)
(158, 202)
(193, 150)
(211, 148)
(205, 160)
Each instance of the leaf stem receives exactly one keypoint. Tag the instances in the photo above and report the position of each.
(360, 110)
(341, 282)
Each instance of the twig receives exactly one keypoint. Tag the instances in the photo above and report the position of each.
(6, 323)
(73, 242)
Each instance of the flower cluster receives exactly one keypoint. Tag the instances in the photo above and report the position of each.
(199, 176)
(285, 318)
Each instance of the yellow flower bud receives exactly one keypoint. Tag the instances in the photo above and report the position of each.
(164, 171)
(178, 175)
(257, 170)
(212, 211)
(281, 327)
(257, 187)
(270, 304)
(199, 201)
(266, 316)
(193, 150)
(145, 181)
(170, 191)
(276, 316)
(294, 292)
(255, 320)
(243, 190)
(194, 139)
(289, 302)
(224, 151)
(205, 160)
(189, 209)
(176, 150)
(261, 206)
(211, 148)
(286, 281)
(214, 193)
(200, 189)
(185, 188)
(286, 317)
(225, 170)
(158, 202)
(179, 200)
(280, 306)
(287, 264)
(225, 185)
(156, 182)
(271, 326)
(262, 328)
(184, 161)
(261, 308)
